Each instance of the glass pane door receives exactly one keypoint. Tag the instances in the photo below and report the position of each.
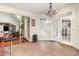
(66, 29)
(45, 29)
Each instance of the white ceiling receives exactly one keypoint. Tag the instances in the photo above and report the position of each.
(34, 7)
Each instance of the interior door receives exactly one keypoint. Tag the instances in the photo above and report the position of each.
(45, 30)
(66, 28)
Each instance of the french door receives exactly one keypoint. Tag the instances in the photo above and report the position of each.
(45, 30)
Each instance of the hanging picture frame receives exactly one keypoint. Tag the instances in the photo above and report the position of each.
(33, 22)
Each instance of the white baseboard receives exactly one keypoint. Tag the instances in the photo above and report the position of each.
(75, 46)
(70, 44)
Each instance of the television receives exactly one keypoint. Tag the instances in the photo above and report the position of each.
(6, 28)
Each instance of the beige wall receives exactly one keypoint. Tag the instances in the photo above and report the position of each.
(36, 30)
(76, 40)
(9, 18)
(21, 13)
(74, 25)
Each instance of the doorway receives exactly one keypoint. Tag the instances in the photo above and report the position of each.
(45, 29)
(27, 27)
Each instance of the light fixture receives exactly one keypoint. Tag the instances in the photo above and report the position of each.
(51, 11)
